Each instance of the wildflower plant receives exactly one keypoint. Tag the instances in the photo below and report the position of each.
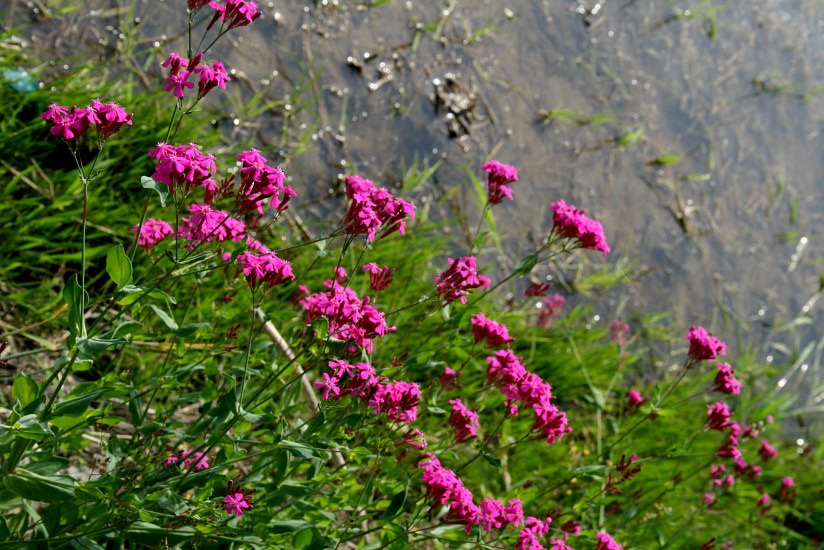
(248, 384)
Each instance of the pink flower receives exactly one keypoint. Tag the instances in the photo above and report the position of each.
(606, 542)
(265, 269)
(537, 289)
(237, 500)
(448, 379)
(176, 83)
(500, 175)
(397, 400)
(415, 439)
(703, 345)
(208, 225)
(200, 460)
(379, 277)
(719, 416)
(709, 500)
(464, 420)
(152, 232)
(550, 309)
(529, 538)
(69, 124)
(110, 118)
(183, 166)
(572, 527)
(786, 493)
(725, 382)
(238, 13)
(634, 400)
(766, 452)
(373, 209)
(195, 5)
(495, 334)
(211, 78)
(459, 279)
(764, 504)
(572, 223)
(617, 331)
(329, 384)
(259, 181)
(170, 459)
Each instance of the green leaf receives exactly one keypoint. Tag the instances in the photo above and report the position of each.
(130, 294)
(166, 318)
(298, 449)
(396, 506)
(24, 389)
(30, 427)
(93, 347)
(289, 525)
(33, 486)
(150, 534)
(75, 298)
(493, 460)
(118, 266)
(78, 405)
(527, 265)
(161, 188)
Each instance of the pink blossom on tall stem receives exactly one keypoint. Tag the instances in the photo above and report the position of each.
(786, 493)
(725, 382)
(763, 504)
(529, 538)
(373, 209)
(110, 118)
(495, 334)
(765, 451)
(237, 500)
(195, 5)
(703, 345)
(461, 277)
(618, 331)
(537, 289)
(238, 13)
(606, 542)
(449, 378)
(415, 439)
(183, 166)
(199, 459)
(259, 181)
(572, 223)
(500, 176)
(69, 124)
(379, 277)
(634, 400)
(211, 77)
(550, 309)
(329, 385)
(718, 416)
(207, 225)
(464, 420)
(265, 269)
(152, 232)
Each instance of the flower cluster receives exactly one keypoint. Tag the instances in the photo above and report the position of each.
(444, 487)
(520, 385)
(183, 166)
(464, 420)
(786, 493)
(350, 317)
(152, 232)
(265, 269)
(725, 382)
(373, 208)
(379, 277)
(765, 451)
(572, 223)
(720, 478)
(500, 175)
(238, 13)
(180, 69)
(260, 181)
(207, 225)
(703, 345)
(237, 500)
(529, 537)
(606, 542)
(459, 279)
(618, 331)
(718, 416)
(550, 309)
(495, 334)
(397, 400)
(188, 458)
(70, 124)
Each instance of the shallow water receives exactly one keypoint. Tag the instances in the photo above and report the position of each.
(731, 232)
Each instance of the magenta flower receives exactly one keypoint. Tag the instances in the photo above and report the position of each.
(329, 384)
(703, 345)
(237, 500)
(177, 83)
(763, 504)
(198, 459)
(572, 223)
(259, 182)
(464, 420)
(786, 493)
(208, 225)
(152, 232)
(265, 269)
(618, 331)
(195, 5)
(211, 78)
(373, 209)
(634, 400)
(550, 309)
(449, 378)
(572, 527)
(495, 334)
(718, 416)
(238, 13)
(110, 118)
(766, 452)
(529, 538)
(183, 166)
(170, 459)
(606, 542)
(415, 439)
(708, 499)
(379, 277)
(725, 382)
(500, 175)
(69, 124)
(537, 289)
(461, 277)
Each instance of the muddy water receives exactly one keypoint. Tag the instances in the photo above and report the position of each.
(727, 227)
